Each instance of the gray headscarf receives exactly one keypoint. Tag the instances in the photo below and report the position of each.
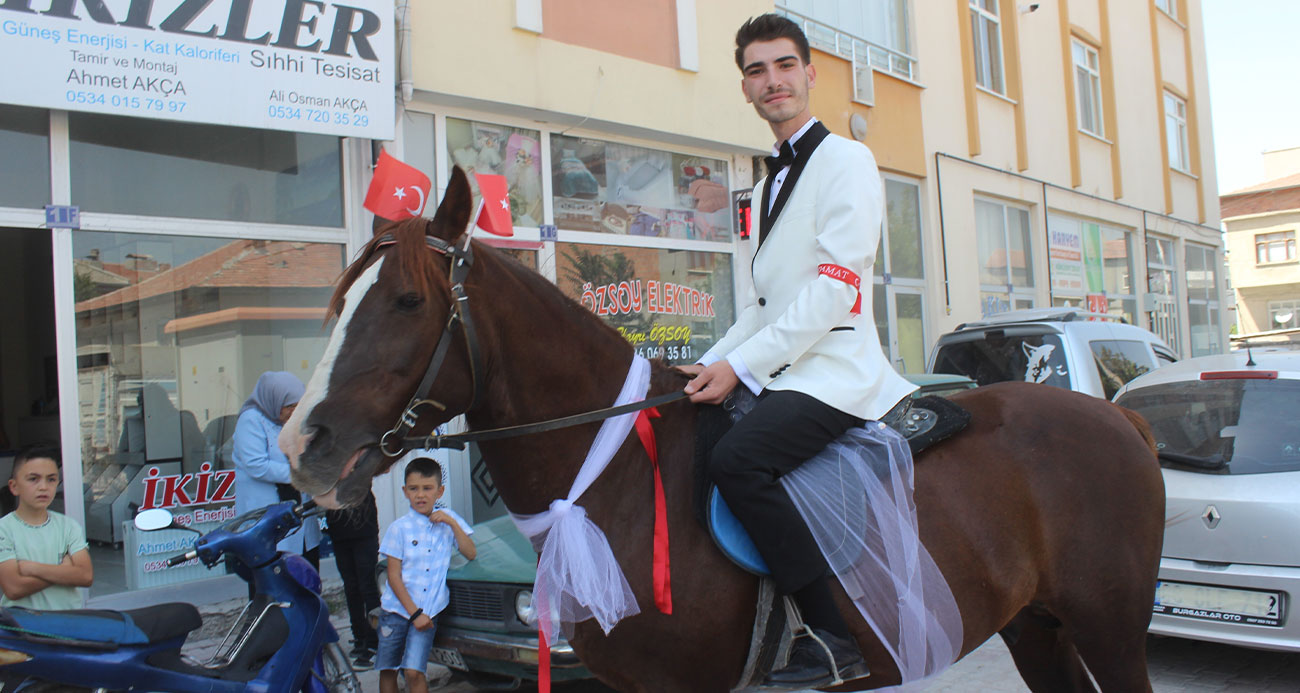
(274, 391)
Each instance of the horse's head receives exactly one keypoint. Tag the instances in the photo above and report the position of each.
(392, 306)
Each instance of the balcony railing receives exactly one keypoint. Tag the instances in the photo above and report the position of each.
(863, 54)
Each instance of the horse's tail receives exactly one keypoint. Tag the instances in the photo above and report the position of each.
(1142, 427)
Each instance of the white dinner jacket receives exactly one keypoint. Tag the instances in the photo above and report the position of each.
(797, 330)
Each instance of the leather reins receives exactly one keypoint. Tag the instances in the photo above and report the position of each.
(462, 258)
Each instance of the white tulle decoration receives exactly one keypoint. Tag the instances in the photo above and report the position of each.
(577, 575)
(856, 497)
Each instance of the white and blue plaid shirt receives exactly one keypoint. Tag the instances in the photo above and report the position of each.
(424, 547)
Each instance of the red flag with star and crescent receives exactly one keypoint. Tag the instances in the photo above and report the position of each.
(494, 210)
(397, 190)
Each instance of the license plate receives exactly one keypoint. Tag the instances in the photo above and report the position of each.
(448, 658)
(1223, 604)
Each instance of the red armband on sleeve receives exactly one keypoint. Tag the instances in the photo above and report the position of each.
(848, 277)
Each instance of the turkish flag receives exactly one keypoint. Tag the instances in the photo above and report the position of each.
(494, 210)
(397, 190)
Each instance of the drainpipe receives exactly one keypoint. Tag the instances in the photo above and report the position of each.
(404, 81)
(943, 236)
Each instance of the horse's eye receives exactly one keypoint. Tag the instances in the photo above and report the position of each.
(409, 301)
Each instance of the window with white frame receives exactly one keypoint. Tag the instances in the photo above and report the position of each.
(1283, 315)
(1161, 303)
(1169, 7)
(1005, 254)
(1203, 299)
(898, 294)
(1278, 246)
(1087, 87)
(1176, 133)
(986, 37)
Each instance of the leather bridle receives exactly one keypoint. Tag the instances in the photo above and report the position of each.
(462, 258)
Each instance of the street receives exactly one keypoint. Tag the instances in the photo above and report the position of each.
(1175, 665)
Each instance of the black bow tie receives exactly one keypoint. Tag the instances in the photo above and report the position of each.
(776, 163)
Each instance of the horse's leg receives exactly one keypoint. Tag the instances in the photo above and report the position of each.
(1044, 653)
(1112, 640)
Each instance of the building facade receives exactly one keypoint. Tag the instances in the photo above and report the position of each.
(1030, 157)
(1260, 222)
(1065, 147)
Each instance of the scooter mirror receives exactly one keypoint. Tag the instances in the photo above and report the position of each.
(156, 518)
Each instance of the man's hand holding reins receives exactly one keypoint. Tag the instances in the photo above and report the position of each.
(713, 383)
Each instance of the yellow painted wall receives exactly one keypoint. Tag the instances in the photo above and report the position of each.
(893, 124)
(470, 52)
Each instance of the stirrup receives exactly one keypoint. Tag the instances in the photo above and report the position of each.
(800, 629)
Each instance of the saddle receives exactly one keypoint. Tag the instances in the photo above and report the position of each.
(97, 629)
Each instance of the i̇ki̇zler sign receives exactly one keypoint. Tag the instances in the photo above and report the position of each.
(298, 65)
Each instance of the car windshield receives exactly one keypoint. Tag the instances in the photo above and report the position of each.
(1240, 426)
(996, 356)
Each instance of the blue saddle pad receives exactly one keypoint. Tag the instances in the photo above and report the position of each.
(732, 538)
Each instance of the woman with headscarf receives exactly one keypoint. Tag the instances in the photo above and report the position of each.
(261, 470)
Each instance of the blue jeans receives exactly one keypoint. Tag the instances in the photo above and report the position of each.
(401, 645)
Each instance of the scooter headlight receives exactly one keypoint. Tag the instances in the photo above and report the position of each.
(524, 608)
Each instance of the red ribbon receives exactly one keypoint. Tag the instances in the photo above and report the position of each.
(662, 576)
(543, 660)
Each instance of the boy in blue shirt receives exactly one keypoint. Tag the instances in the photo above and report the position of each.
(418, 546)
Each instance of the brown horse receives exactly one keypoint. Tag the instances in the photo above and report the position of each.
(1045, 515)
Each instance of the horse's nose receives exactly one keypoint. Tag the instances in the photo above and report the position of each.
(294, 441)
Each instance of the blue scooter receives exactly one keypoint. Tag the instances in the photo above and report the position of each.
(283, 641)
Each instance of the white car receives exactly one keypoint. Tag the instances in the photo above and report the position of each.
(1093, 353)
(1228, 432)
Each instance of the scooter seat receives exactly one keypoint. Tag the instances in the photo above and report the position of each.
(99, 628)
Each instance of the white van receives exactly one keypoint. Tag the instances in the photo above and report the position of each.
(1094, 353)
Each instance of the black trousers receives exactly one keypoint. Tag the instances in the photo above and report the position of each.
(356, 558)
(782, 431)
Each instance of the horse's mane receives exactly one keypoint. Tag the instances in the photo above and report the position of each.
(414, 260)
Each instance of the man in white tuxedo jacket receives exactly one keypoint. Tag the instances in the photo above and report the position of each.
(806, 342)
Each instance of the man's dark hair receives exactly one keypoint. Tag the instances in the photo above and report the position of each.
(424, 466)
(36, 451)
(770, 27)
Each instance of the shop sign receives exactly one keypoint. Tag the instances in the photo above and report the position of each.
(185, 490)
(1065, 256)
(296, 65)
(194, 501)
(666, 303)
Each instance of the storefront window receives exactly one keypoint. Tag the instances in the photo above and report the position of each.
(1203, 300)
(172, 169)
(1162, 311)
(670, 304)
(619, 188)
(172, 333)
(1005, 257)
(1091, 267)
(25, 141)
(505, 151)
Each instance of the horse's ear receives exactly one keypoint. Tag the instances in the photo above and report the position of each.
(452, 217)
